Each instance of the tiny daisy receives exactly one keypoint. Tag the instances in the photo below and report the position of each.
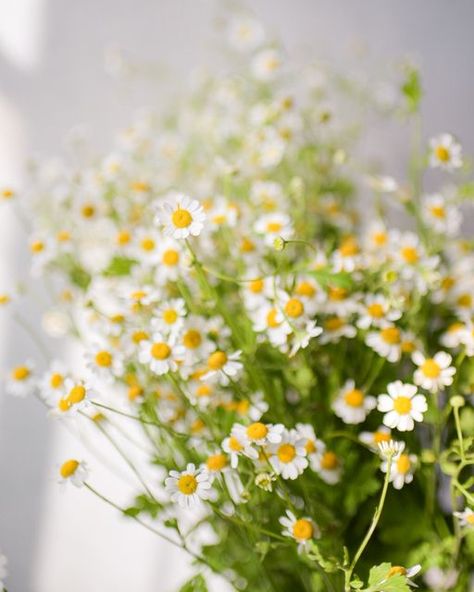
(216, 463)
(466, 517)
(433, 374)
(235, 448)
(402, 406)
(328, 466)
(375, 312)
(258, 433)
(73, 398)
(161, 353)
(51, 384)
(170, 261)
(104, 362)
(245, 33)
(169, 317)
(402, 468)
(302, 530)
(288, 458)
(188, 487)
(373, 439)
(445, 152)
(335, 327)
(222, 366)
(73, 471)
(315, 448)
(272, 226)
(21, 380)
(182, 217)
(443, 217)
(387, 342)
(352, 405)
(266, 64)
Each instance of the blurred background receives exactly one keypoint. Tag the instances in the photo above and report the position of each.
(52, 81)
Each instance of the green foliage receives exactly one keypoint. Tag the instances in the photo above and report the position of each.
(411, 89)
(195, 584)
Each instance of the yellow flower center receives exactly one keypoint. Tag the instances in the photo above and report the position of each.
(4, 299)
(181, 218)
(246, 246)
(442, 153)
(140, 186)
(256, 286)
(170, 257)
(333, 323)
(123, 237)
(192, 339)
(329, 461)
(380, 238)
(257, 431)
(402, 405)
(7, 193)
(216, 462)
(204, 390)
(21, 373)
(37, 246)
(410, 254)
(147, 244)
(407, 347)
(305, 289)
(390, 335)
(64, 405)
(170, 316)
(68, 468)
(349, 248)
(464, 300)
(354, 398)
(375, 310)
(217, 360)
(139, 336)
(294, 308)
(187, 484)
(470, 519)
(160, 351)
(431, 369)
(403, 464)
(103, 359)
(63, 236)
(335, 293)
(310, 446)
(438, 211)
(286, 453)
(88, 211)
(234, 444)
(274, 227)
(272, 319)
(56, 380)
(134, 391)
(76, 394)
(302, 529)
(381, 437)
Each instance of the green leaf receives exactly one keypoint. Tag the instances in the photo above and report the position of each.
(412, 90)
(328, 278)
(379, 573)
(195, 584)
(119, 266)
(380, 582)
(132, 511)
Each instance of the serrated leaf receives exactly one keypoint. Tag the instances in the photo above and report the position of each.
(119, 266)
(378, 573)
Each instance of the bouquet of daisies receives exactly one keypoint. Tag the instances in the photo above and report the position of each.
(296, 374)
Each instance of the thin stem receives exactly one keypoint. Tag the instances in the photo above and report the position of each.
(373, 525)
(459, 432)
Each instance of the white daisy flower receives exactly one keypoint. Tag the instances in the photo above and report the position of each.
(235, 448)
(73, 471)
(402, 468)
(169, 316)
(189, 487)
(51, 384)
(288, 458)
(302, 530)
(161, 353)
(223, 366)
(373, 439)
(402, 406)
(376, 311)
(328, 466)
(267, 194)
(145, 247)
(246, 33)
(352, 405)
(271, 320)
(467, 338)
(72, 399)
(443, 217)
(348, 256)
(453, 336)
(258, 433)
(21, 380)
(335, 327)
(433, 374)
(266, 64)
(315, 448)
(466, 517)
(170, 261)
(387, 342)
(103, 362)
(181, 217)
(272, 226)
(302, 338)
(216, 463)
(445, 152)
(257, 291)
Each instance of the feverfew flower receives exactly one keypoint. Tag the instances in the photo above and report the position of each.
(21, 380)
(74, 471)
(161, 353)
(466, 517)
(376, 311)
(374, 439)
(387, 342)
(443, 217)
(352, 405)
(288, 458)
(434, 373)
(302, 530)
(188, 487)
(328, 466)
(258, 433)
(273, 226)
(402, 468)
(72, 399)
(246, 33)
(104, 362)
(266, 64)
(235, 448)
(445, 152)
(223, 366)
(181, 217)
(402, 406)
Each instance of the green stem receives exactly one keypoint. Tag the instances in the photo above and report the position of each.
(373, 526)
